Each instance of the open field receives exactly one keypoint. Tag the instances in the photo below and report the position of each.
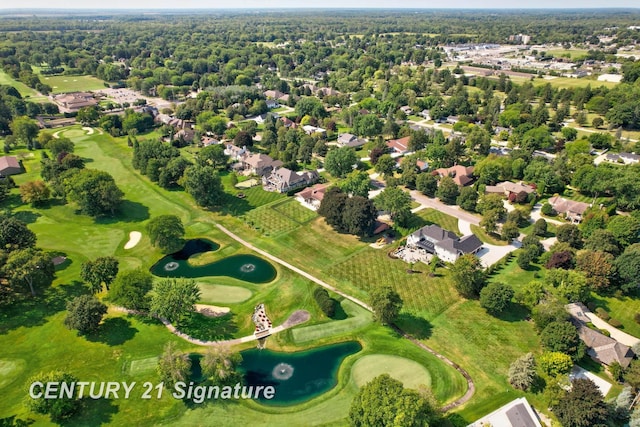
(64, 84)
(567, 53)
(25, 91)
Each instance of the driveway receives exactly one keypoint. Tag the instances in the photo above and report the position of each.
(489, 254)
(579, 373)
(535, 215)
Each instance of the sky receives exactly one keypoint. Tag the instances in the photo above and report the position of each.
(328, 4)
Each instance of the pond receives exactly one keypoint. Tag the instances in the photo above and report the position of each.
(297, 377)
(245, 267)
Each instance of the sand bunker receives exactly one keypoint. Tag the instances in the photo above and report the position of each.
(134, 239)
(211, 310)
(89, 130)
(56, 135)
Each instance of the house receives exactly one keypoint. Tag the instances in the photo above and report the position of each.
(184, 135)
(234, 152)
(517, 413)
(283, 180)
(288, 123)
(452, 120)
(406, 109)
(349, 140)
(445, 244)
(509, 189)
(275, 95)
(602, 348)
(400, 146)
(571, 209)
(309, 130)
(72, 102)
(626, 158)
(311, 197)
(272, 103)
(425, 114)
(462, 175)
(259, 164)
(207, 141)
(9, 165)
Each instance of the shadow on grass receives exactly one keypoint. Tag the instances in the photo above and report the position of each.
(514, 313)
(418, 327)
(128, 212)
(94, 412)
(113, 331)
(28, 217)
(30, 311)
(455, 420)
(235, 206)
(339, 313)
(208, 328)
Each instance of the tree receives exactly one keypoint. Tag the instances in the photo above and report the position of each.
(385, 402)
(427, 184)
(448, 190)
(522, 372)
(101, 270)
(325, 302)
(29, 267)
(569, 233)
(171, 174)
(310, 106)
(213, 155)
(496, 297)
(509, 231)
(174, 298)
(568, 133)
(243, 139)
(25, 130)
(204, 185)
(34, 192)
(597, 122)
(562, 337)
(468, 277)
(467, 199)
(220, 364)
(356, 183)
(367, 125)
(489, 220)
(598, 267)
(332, 208)
(540, 227)
(15, 235)
(339, 162)
(85, 314)
(560, 259)
(555, 364)
(582, 405)
(59, 409)
(59, 145)
(130, 289)
(626, 229)
(385, 165)
(94, 191)
(166, 232)
(386, 304)
(359, 216)
(602, 240)
(628, 268)
(395, 201)
(173, 365)
(88, 116)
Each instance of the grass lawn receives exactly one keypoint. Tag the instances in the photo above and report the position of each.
(222, 294)
(64, 84)
(25, 91)
(569, 82)
(572, 53)
(486, 237)
(357, 318)
(411, 373)
(623, 309)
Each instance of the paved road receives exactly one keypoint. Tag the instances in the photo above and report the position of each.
(453, 211)
(470, 384)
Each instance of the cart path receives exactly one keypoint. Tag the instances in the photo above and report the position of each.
(471, 388)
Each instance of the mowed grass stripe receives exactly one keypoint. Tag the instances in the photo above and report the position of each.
(358, 317)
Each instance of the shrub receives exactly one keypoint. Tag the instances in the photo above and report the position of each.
(604, 332)
(636, 317)
(615, 323)
(602, 313)
(547, 209)
(325, 302)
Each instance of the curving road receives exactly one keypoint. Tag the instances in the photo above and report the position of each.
(471, 388)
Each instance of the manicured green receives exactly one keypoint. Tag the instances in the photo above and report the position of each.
(411, 373)
(64, 84)
(223, 294)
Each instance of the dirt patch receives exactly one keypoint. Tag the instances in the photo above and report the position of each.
(298, 317)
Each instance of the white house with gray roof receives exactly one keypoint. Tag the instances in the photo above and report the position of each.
(517, 413)
(443, 243)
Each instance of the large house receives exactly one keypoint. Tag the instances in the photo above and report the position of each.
(602, 348)
(517, 413)
(443, 243)
(400, 146)
(259, 164)
(571, 209)
(509, 189)
(350, 140)
(625, 158)
(311, 197)
(283, 180)
(234, 152)
(73, 102)
(9, 165)
(462, 175)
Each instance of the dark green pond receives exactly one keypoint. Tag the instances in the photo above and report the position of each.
(249, 268)
(297, 377)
